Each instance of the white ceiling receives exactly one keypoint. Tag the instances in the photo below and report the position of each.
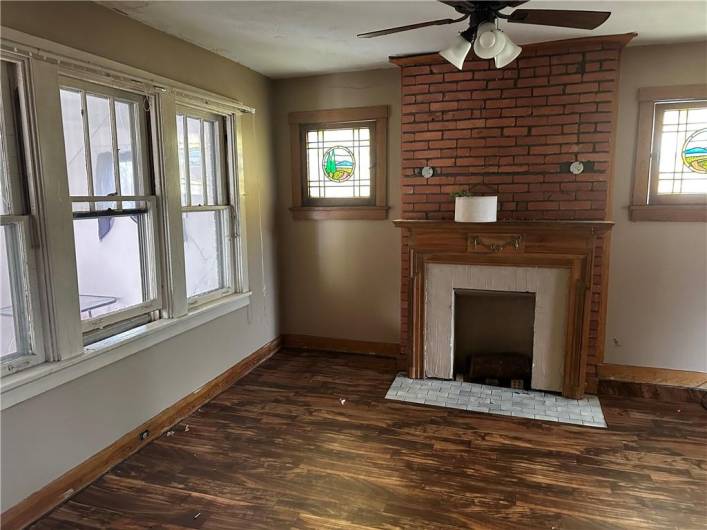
(293, 38)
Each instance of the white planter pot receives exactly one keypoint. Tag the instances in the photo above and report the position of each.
(475, 209)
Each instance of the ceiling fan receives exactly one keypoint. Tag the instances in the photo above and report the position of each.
(488, 41)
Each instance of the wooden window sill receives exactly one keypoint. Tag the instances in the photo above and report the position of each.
(320, 213)
(662, 212)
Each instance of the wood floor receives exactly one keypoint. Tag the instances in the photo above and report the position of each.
(282, 449)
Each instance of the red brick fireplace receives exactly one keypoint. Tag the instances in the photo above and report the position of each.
(514, 131)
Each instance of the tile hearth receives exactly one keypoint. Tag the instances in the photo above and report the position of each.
(497, 400)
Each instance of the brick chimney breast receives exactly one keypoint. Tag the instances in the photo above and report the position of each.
(515, 130)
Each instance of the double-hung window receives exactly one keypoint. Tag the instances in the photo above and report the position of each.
(113, 206)
(120, 214)
(207, 199)
(20, 318)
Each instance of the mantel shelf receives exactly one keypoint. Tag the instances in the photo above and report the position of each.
(595, 226)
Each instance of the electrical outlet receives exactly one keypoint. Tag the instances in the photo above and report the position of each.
(144, 435)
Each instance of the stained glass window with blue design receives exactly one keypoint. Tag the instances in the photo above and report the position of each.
(339, 164)
(682, 154)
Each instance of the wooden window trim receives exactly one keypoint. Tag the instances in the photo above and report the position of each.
(646, 205)
(377, 207)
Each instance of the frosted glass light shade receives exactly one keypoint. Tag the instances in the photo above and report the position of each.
(457, 52)
(508, 54)
(489, 41)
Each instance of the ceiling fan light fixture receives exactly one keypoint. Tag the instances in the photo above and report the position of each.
(508, 54)
(457, 52)
(489, 41)
(492, 43)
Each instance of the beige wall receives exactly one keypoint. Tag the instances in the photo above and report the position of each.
(658, 278)
(47, 435)
(339, 278)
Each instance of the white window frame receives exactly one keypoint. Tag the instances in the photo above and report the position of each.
(23, 272)
(228, 186)
(104, 326)
(51, 228)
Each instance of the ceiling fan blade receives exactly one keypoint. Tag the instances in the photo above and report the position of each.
(560, 18)
(398, 29)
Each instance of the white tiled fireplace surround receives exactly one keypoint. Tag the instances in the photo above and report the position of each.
(550, 286)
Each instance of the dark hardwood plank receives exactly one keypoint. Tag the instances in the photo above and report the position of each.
(281, 450)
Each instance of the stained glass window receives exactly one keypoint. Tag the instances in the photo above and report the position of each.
(339, 163)
(682, 155)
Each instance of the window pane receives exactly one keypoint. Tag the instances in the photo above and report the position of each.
(8, 325)
(182, 160)
(109, 264)
(210, 164)
(196, 175)
(203, 251)
(127, 157)
(72, 122)
(14, 302)
(682, 164)
(101, 144)
(5, 128)
(5, 199)
(339, 163)
(12, 178)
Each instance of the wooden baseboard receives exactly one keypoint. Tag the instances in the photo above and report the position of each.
(309, 342)
(673, 394)
(656, 376)
(41, 502)
(653, 383)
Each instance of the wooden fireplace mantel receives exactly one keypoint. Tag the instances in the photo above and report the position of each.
(563, 244)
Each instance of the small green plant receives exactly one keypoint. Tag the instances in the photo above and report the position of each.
(463, 193)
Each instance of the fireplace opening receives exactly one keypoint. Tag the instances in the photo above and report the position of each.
(493, 337)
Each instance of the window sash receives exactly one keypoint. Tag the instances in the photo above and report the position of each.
(25, 303)
(150, 269)
(150, 258)
(223, 141)
(11, 185)
(669, 198)
(218, 157)
(228, 256)
(140, 137)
